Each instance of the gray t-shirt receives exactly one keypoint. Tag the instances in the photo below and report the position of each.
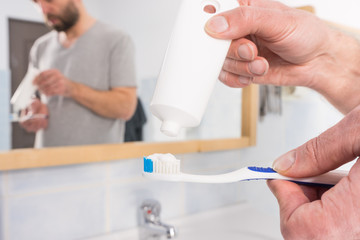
(102, 58)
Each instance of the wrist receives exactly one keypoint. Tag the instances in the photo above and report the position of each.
(71, 89)
(337, 71)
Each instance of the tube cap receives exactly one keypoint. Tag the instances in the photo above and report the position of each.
(169, 128)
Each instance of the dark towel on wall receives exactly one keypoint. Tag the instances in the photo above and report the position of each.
(134, 127)
(270, 100)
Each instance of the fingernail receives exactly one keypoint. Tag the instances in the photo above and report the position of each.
(258, 67)
(222, 75)
(285, 162)
(244, 80)
(217, 24)
(246, 52)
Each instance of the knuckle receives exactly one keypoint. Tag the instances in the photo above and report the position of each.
(352, 124)
(244, 14)
(312, 152)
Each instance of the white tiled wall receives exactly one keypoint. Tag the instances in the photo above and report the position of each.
(77, 202)
(200, 197)
(54, 203)
(44, 180)
(1, 184)
(1, 207)
(67, 214)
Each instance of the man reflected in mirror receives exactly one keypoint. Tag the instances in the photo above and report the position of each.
(87, 78)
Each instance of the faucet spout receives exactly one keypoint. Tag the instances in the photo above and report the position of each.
(159, 229)
(151, 228)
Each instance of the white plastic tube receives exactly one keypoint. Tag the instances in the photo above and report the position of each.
(23, 95)
(191, 67)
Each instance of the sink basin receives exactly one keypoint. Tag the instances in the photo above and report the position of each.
(241, 221)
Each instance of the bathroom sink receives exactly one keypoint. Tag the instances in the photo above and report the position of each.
(231, 223)
(241, 221)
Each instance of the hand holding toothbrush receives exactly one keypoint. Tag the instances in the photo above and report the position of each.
(32, 124)
(275, 44)
(314, 213)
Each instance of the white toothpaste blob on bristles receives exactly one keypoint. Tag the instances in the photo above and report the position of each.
(165, 163)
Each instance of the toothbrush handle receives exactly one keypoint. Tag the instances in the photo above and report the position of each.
(327, 179)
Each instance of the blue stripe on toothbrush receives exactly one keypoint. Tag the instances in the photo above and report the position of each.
(261, 169)
(270, 170)
(148, 165)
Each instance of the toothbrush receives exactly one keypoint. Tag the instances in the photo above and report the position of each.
(168, 169)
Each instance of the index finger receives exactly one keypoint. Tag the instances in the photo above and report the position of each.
(242, 49)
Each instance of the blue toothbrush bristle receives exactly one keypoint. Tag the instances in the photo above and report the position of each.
(148, 165)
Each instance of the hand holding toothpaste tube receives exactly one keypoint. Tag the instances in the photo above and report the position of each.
(278, 45)
(52, 82)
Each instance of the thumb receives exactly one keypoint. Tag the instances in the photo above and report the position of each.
(35, 105)
(333, 148)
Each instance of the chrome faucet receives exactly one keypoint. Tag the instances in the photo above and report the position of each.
(151, 227)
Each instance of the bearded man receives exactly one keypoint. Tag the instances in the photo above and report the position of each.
(87, 75)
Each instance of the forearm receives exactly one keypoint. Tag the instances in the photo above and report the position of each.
(338, 76)
(119, 103)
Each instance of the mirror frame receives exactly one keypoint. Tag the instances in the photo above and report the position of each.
(60, 156)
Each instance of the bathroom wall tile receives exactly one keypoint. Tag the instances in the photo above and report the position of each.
(125, 169)
(269, 145)
(66, 215)
(259, 195)
(126, 198)
(220, 120)
(2, 206)
(203, 197)
(213, 162)
(1, 184)
(2, 226)
(30, 180)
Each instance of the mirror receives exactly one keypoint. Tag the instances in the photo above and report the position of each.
(150, 28)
